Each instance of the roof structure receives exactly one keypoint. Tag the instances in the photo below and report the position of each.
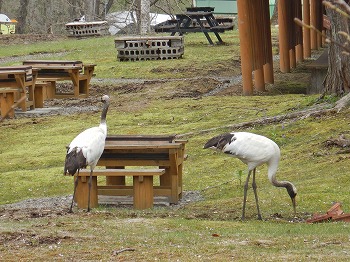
(5, 19)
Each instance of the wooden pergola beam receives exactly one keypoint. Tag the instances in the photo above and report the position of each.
(244, 25)
(255, 44)
(295, 43)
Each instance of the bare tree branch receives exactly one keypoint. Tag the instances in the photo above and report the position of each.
(328, 40)
(341, 3)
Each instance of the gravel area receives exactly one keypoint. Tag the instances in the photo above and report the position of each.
(58, 206)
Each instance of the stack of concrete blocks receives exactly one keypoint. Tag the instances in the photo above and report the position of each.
(149, 48)
(79, 29)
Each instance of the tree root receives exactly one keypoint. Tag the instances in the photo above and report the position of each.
(267, 120)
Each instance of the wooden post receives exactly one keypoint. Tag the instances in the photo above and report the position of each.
(306, 31)
(283, 36)
(259, 80)
(81, 195)
(292, 58)
(299, 51)
(7, 100)
(143, 192)
(245, 45)
(268, 65)
(174, 170)
(39, 95)
(313, 22)
(319, 19)
(268, 73)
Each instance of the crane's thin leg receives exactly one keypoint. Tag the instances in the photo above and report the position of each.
(90, 182)
(75, 187)
(256, 195)
(245, 194)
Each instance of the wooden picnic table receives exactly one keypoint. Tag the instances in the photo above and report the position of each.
(51, 71)
(17, 82)
(196, 19)
(146, 153)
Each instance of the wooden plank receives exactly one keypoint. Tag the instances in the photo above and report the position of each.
(146, 138)
(134, 146)
(123, 172)
(131, 162)
(53, 62)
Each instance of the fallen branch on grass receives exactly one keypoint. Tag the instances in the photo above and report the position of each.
(264, 121)
(117, 252)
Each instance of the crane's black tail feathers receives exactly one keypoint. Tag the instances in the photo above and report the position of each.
(75, 160)
(219, 141)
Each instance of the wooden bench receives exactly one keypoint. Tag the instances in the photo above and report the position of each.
(319, 69)
(142, 189)
(51, 71)
(7, 100)
(22, 79)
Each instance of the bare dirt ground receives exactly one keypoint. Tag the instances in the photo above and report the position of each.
(210, 85)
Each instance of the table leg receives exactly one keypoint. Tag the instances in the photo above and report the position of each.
(212, 22)
(82, 192)
(115, 180)
(6, 101)
(143, 192)
(205, 33)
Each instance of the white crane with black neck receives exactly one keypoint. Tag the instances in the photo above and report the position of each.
(86, 149)
(253, 150)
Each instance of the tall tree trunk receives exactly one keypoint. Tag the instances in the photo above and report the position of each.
(143, 20)
(274, 16)
(108, 6)
(90, 10)
(337, 80)
(73, 13)
(97, 9)
(22, 17)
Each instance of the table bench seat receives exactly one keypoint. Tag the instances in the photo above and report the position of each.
(142, 186)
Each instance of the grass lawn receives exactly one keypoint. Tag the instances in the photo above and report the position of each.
(32, 156)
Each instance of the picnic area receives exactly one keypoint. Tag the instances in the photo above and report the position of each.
(195, 98)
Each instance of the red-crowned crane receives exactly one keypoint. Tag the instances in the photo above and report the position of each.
(253, 150)
(86, 149)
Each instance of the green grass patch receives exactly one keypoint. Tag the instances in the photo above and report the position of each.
(32, 156)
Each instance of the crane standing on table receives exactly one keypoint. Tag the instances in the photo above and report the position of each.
(86, 149)
(253, 150)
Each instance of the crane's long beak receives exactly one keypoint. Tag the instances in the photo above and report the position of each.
(294, 205)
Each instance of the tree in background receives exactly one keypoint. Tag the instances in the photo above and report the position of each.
(50, 16)
(337, 80)
(22, 17)
(143, 11)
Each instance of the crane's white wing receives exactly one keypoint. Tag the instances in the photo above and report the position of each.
(92, 142)
(252, 149)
